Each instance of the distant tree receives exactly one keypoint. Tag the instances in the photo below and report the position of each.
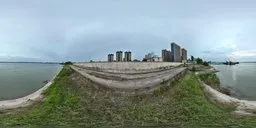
(151, 55)
(68, 63)
(199, 60)
(144, 60)
(192, 58)
(135, 60)
(205, 63)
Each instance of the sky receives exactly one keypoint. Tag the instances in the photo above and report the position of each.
(83, 30)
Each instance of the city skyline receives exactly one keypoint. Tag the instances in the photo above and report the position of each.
(120, 57)
(175, 54)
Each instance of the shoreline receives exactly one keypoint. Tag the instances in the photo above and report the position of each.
(29, 99)
(243, 107)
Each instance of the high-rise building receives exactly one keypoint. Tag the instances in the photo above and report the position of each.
(169, 54)
(110, 57)
(164, 58)
(192, 58)
(119, 56)
(128, 56)
(184, 54)
(176, 52)
(166, 55)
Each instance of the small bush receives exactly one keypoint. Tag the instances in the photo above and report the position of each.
(199, 60)
(193, 69)
(205, 63)
(68, 63)
(210, 79)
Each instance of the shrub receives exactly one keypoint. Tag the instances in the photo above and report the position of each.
(68, 63)
(193, 69)
(210, 79)
(199, 60)
(205, 63)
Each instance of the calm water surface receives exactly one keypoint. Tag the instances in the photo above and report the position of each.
(20, 79)
(241, 78)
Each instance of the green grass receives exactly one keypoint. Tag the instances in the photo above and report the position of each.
(201, 67)
(210, 79)
(73, 101)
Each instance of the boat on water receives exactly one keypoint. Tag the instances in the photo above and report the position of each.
(230, 63)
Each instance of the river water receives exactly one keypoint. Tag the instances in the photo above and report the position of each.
(241, 78)
(20, 79)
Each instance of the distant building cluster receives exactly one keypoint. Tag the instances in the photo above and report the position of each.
(150, 57)
(176, 54)
(119, 57)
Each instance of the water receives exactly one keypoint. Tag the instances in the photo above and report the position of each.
(21, 79)
(240, 78)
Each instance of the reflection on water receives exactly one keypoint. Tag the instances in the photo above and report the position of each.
(20, 79)
(239, 77)
(233, 73)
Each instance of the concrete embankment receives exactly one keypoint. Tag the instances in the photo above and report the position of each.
(243, 107)
(121, 78)
(27, 100)
(128, 67)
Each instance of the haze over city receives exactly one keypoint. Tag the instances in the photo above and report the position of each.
(83, 30)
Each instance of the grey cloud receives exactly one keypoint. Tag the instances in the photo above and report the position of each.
(82, 30)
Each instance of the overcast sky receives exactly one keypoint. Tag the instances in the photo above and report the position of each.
(81, 30)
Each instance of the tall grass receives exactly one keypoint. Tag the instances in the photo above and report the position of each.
(210, 79)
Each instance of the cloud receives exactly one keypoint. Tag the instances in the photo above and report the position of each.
(213, 52)
(8, 58)
(243, 54)
(220, 51)
(84, 30)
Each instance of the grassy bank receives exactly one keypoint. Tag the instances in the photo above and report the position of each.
(210, 79)
(75, 101)
(198, 67)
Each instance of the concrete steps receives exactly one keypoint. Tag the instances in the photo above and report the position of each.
(128, 81)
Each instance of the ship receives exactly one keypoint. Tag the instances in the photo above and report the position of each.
(230, 63)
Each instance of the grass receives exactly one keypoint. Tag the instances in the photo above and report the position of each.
(73, 101)
(201, 67)
(210, 79)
